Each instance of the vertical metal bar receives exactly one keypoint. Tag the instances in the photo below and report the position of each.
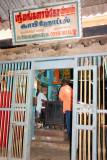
(94, 60)
(74, 130)
(99, 124)
(94, 132)
(89, 118)
(26, 65)
(13, 153)
(20, 116)
(14, 137)
(80, 131)
(15, 130)
(21, 112)
(17, 138)
(76, 63)
(24, 99)
(104, 147)
(26, 109)
(84, 132)
(19, 128)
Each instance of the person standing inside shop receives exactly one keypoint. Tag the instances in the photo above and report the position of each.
(66, 95)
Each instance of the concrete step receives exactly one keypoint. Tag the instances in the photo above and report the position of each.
(50, 135)
(53, 145)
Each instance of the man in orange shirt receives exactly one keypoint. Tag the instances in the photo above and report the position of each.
(66, 95)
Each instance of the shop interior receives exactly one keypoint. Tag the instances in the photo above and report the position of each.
(49, 82)
(52, 109)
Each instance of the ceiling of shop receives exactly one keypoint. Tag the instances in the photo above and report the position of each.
(89, 7)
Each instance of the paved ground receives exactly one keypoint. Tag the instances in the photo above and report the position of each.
(50, 145)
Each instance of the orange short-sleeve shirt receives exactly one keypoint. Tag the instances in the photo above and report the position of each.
(66, 95)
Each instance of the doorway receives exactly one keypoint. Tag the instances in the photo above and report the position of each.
(53, 123)
(50, 81)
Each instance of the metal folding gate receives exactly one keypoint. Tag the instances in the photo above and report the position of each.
(84, 147)
(20, 127)
(15, 109)
(88, 121)
(84, 134)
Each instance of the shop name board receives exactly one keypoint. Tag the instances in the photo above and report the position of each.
(61, 21)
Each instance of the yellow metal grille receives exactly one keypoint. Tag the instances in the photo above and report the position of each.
(19, 116)
(21, 91)
(17, 142)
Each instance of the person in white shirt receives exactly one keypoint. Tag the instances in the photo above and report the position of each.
(41, 101)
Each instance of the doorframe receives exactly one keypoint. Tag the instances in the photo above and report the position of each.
(54, 64)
